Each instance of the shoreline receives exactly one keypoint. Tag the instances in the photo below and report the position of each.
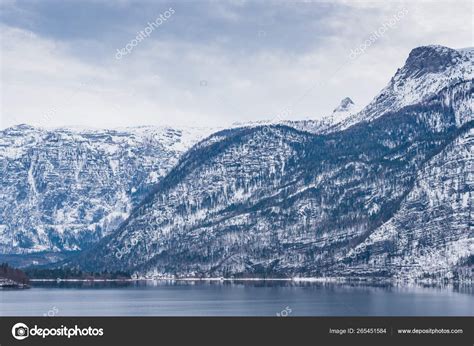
(184, 279)
(341, 280)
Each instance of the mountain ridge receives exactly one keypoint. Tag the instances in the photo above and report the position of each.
(272, 201)
(62, 189)
(346, 196)
(134, 254)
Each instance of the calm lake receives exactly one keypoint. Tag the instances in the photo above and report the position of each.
(249, 298)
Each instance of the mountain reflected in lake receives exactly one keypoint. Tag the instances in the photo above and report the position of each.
(235, 298)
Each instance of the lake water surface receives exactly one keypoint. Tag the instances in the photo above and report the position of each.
(249, 298)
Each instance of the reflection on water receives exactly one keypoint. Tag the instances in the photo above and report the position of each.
(237, 298)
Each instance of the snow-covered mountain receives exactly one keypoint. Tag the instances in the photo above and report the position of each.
(346, 107)
(386, 193)
(427, 71)
(64, 189)
(433, 228)
(342, 112)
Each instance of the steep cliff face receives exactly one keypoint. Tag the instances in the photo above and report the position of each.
(273, 200)
(433, 230)
(64, 189)
(386, 193)
(427, 71)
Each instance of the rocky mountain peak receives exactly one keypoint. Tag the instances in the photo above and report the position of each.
(430, 59)
(427, 71)
(345, 105)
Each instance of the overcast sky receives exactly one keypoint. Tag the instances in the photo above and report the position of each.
(210, 63)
